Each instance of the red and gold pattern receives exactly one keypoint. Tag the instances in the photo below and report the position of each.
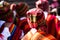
(51, 24)
(21, 8)
(38, 35)
(35, 18)
(48, 37)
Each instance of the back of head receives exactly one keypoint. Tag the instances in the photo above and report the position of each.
(21, 9)
(56, 11)
(43, 4)
(5, 13)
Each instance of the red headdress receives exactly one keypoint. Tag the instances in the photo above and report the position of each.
(34, 17)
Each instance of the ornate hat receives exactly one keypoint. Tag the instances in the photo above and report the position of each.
(35, 16)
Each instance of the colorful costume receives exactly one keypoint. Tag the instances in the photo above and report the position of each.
(44, 5)
(20, 20)
(35, 34)
(6, 15)
(35, 18)
(53, 22)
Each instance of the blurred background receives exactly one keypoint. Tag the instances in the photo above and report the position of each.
(31, 3)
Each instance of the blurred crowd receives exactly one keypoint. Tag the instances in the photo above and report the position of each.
(19, 22)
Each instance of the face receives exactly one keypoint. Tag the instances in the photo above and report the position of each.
(35, 17)
(31, 20)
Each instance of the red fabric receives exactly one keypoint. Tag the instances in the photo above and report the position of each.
(51, 24)
(21, 25)
(26, 28)
(1, 36)
(58, 29)
(18, 31)
(24, 25)
(17, 34)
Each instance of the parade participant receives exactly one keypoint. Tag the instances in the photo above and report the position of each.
(40, 35)
(20, 19)
(50, 22)
(35, 18)
(57, 11)
(7, 16)
(44, 5)
(13, 26)
(53, 23)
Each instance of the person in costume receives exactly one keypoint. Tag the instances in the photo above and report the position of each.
(6, 19)
(57, 11)
(53, 23)
(20, 19)
(44, 5)
(13, 26)
(36, 19)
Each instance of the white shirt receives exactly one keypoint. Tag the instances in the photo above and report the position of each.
(22, 18)
(45, 14)
(58, 17)
(6, 33)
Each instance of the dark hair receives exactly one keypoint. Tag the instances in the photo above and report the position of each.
(21, 9)
(59, 1)
(53, 13)
(58, 11)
